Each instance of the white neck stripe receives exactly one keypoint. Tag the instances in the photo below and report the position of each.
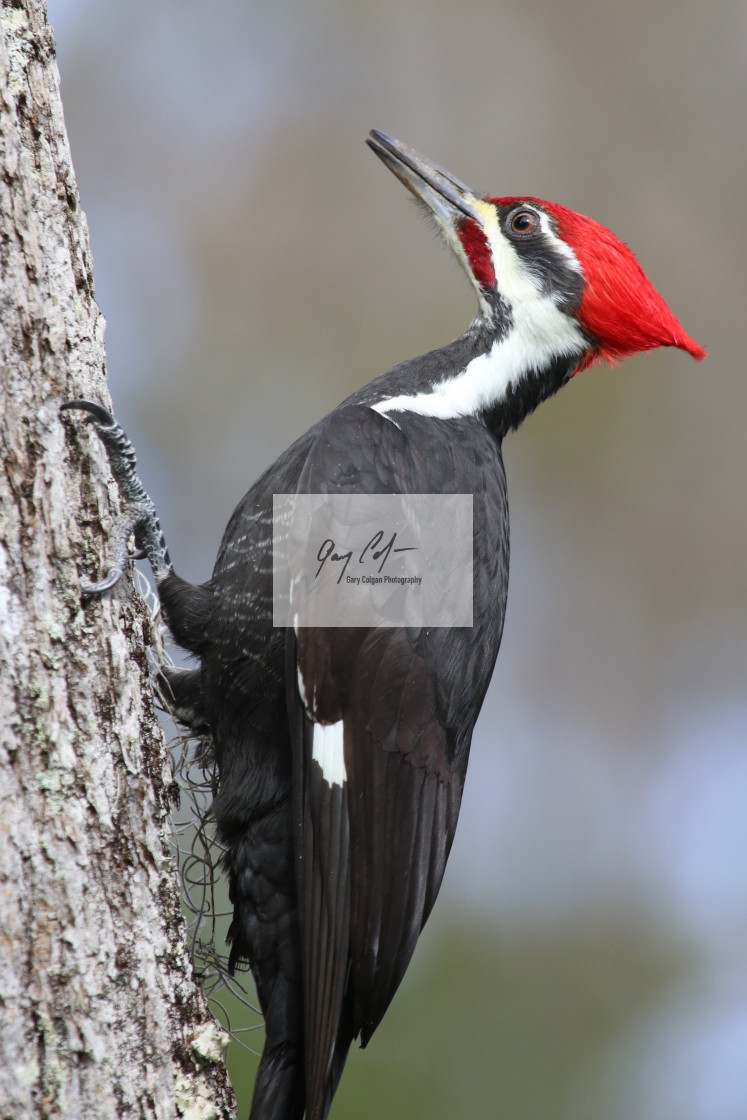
(540, 334)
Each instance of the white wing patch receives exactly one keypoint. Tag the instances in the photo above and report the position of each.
(327, 750)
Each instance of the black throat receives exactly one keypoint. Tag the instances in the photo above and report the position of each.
(521, 399)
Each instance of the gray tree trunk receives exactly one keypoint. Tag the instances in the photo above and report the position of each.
(99, 1014)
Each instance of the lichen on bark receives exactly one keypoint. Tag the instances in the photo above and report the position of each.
(99, 1010)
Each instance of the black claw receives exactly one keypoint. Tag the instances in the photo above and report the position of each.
(105, 584)
(96, 410)
(139, 514)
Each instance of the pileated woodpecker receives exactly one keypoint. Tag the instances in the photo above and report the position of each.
(342, 752)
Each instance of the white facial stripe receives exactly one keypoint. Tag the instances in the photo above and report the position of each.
(327, 750)
(539, 334)
(512, 279)
(558, 243)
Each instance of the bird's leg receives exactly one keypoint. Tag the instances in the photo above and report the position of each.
(139, 516)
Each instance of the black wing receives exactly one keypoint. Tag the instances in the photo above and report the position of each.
(381, 722)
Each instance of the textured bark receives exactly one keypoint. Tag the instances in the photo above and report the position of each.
(99, 1015)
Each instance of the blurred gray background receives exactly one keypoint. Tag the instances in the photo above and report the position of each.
(256, 263)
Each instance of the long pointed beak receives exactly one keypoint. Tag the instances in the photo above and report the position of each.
(436, 187)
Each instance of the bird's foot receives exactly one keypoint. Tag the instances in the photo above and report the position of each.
(139, 518)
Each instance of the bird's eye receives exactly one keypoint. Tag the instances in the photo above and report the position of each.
(524, 222)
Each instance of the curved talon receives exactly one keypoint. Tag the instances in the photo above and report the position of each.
(139, 513)
(96, 410)
(105, 584)
(121, 453)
